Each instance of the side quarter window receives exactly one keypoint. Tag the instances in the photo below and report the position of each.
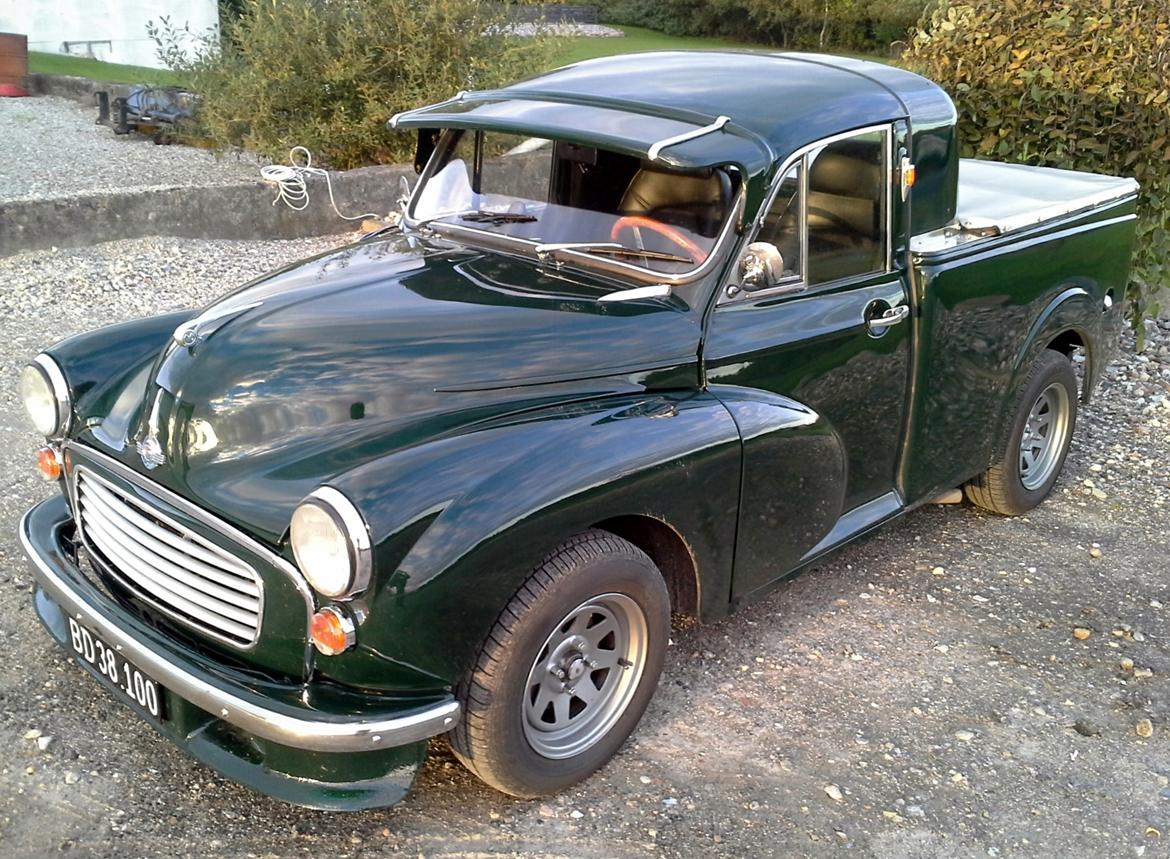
(782, 224)
(848, 197)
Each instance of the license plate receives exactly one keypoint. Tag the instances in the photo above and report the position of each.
(113, 667)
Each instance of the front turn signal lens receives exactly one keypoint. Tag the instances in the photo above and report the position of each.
(49, 463)
(331, 631)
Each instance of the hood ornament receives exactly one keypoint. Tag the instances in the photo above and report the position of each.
(150, 449)
(192, 331)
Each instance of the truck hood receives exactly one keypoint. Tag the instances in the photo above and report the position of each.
(371, 348)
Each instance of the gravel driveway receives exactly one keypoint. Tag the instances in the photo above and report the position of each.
(51, 147)
(959, 685)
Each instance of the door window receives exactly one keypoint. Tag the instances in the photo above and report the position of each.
(847, 192)
(830, 215)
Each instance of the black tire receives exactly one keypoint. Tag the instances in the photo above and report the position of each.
(492, 737)
(1007, 487)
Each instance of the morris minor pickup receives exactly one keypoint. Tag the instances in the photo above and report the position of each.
(653, 333)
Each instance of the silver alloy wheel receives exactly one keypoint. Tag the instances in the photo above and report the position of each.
(1045, 435)
(585, 675)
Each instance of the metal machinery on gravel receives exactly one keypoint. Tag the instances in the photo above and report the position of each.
(645, 341)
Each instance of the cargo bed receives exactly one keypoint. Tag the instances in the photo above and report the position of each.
(996, 198)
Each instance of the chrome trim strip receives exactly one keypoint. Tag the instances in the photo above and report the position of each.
(356, 530)
(60, 388)
(319, 734)
(195, 512)
(955, 236)
(658, 290)
(656, 148)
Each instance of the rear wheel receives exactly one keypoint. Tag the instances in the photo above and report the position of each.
(1037, 440)
(568, 669)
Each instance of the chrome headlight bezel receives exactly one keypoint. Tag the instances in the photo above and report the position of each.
(56, 391)
(327, 505)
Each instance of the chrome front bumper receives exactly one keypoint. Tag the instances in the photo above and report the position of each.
(297, 727)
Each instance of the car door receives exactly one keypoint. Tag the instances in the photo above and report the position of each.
(828, 330)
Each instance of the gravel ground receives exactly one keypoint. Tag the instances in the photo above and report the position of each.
(51, 147)
(959, 685)
(563, 29)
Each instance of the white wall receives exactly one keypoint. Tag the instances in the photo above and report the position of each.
(120, 23)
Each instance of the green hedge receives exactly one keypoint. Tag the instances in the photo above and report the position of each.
(328, 74)
(815, 24)
(1066, 84)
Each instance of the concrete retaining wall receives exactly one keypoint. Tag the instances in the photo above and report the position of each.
(78, 89)
(242, 211)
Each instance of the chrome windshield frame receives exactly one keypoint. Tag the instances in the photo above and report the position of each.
(582, 259)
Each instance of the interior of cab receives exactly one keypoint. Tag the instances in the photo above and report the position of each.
(560, 192)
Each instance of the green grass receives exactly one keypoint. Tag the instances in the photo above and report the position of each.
(82, 67)
(638, 39)
(575, 50)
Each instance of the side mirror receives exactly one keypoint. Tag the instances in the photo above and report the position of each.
(404, 191)
(760, 267)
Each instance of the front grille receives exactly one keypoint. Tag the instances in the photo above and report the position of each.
(180, 573)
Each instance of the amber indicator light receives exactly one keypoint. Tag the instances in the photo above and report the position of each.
(48, 463)
(331, 632)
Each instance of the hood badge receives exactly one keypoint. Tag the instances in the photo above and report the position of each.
(151, 452)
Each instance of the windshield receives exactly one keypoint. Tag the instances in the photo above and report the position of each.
(552, 192)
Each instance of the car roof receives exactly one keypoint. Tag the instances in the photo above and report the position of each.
(771, 94)
(779, 101)
(764, 106)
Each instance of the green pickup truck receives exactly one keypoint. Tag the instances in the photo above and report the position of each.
(653, 333)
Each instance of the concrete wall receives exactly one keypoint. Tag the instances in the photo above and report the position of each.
(117, 28)
(242, 211)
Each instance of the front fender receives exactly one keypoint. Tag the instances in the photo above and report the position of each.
(99, 364)
(460, 522)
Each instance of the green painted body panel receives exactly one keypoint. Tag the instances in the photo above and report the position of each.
(985, 312)
(479, 407)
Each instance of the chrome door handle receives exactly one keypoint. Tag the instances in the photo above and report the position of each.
(892, 316)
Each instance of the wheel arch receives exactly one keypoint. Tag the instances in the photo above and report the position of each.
(1066, 343)
(670, 552)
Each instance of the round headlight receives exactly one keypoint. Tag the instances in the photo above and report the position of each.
(331, 544)
(45, 396)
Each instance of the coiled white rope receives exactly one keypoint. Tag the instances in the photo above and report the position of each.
(291, 188)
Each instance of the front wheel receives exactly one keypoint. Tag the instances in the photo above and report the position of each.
(566, 673)
(1037, 441)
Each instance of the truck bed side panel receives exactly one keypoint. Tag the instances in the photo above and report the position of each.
(985, 310)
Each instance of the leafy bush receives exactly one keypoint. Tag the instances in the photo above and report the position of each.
(820, 24)
(1066, 84)
(328, 74)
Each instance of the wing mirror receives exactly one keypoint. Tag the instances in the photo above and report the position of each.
(760, 267)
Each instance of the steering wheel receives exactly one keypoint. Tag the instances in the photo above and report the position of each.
(697, 254)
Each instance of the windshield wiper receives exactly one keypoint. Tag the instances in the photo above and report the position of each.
(608, 249)
(495, 219)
